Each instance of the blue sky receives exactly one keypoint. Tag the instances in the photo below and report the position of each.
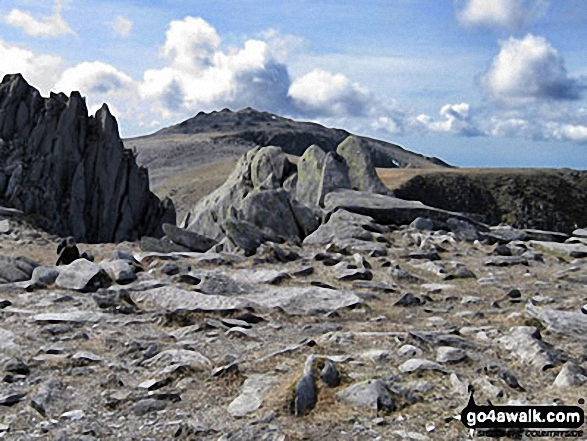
(475, 82)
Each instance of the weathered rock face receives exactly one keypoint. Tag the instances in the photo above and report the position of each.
(362, 174)
(252, 195)
(71, 169)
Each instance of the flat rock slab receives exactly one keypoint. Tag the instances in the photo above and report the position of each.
(176, 299)
(82, 275)
(525, 342)
(267, 276)
(385, 209)
(189, 239)
(567, 249)
(255, 388)
(573, 324)
(304, 300)
(182, 357)
(419, 365)
(69, 317)
(581, 232)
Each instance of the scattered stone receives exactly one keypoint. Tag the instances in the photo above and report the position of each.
(571, 376)
(188, 239)
(11, 400)
(409, 351)
(371, 394)
(408, 299)
(573, 324)
(419, 365)
(505, 261)
(254, 390)
(526, 342)
(447, 354)
(83, 275)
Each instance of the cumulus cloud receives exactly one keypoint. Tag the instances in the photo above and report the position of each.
(457, 120)
(40, 70)
(100, 82)
(199, 75)
(500, 13)
(568, 132)
(47, 27)
(121, 26)
(527, 70)
(324, 93)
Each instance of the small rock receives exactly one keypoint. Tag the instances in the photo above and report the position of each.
(447, 354)
(73, 415)
(409, 351)
(571, 376)
(420, 364)
(329, 374)
(147, 406)
(408, 299)
(11, 400)
(372, 394)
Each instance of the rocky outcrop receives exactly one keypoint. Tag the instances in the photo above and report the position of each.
(71, 170)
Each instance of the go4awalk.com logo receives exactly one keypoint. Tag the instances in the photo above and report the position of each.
(532, 421)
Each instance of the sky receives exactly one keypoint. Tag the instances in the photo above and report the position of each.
(478, 83)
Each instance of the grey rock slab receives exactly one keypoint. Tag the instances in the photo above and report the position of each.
(419, 365)
(309, 175)
(16, 269)
(246, 235)
(261, 275)
(46, 275)
(4, 226)
(580, 232)
(572, 324)
(219, 283)
(525, 342)
(82, 275)
(503, 261)
(409, 351)
(175, 299)
(335, 175)
(72, 316)
(371, 394)
(448, 354)
(163, 245)
(566, 249)
(182, 357)
(343, 225)
(270, 211)
(545, 236)
(86, 356)
(121, 271)
(384, 209)
(254, 391)
(361, 168)
(189, 239)
(304, 300)
(570, 376)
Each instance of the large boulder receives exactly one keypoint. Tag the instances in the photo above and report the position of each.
(71, 169)
(251, 206)
(335, 175)
(309, 175)
(362, 173)
(387, 210)
(16, 269)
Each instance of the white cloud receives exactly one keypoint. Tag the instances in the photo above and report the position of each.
(457, 120)
(528, 70)
(100, 82)
(41, 71)
(121, 26)
(329, 94)
(200, 76)
(47, 27)
(500, 13)
(568, 132)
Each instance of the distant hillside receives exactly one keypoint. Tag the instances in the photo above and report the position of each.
(188, 160)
